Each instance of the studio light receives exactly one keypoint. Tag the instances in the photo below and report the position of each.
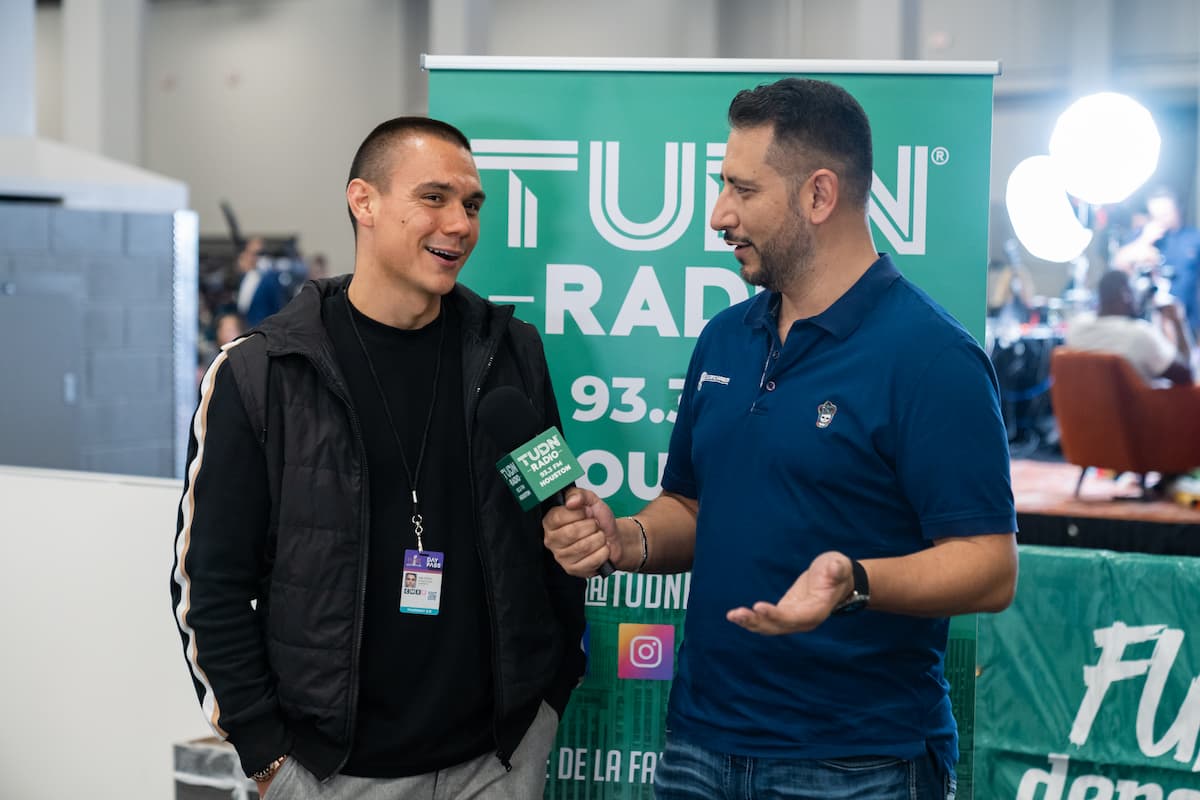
(1041, 213)
(1103, 147)
(1106, 145)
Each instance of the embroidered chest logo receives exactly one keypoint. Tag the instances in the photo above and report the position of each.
(708, 377)
(825, 413)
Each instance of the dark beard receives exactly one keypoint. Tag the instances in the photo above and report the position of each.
(783, 260)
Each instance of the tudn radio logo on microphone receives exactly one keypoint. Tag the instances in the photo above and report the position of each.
(540, 468)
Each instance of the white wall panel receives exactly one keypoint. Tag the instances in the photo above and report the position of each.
(96, 687)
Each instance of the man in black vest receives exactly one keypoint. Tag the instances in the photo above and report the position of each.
(335, 449)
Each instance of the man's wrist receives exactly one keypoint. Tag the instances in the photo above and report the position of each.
(268, 772)
(635, 547)
(860, 591)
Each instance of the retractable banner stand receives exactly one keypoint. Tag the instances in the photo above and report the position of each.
(601, 175)
(1091, 680)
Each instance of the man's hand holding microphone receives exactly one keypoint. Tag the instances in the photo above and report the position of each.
(580, 529)
(583, 534)
(542, 470)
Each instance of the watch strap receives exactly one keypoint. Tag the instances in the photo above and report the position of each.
(859, 595)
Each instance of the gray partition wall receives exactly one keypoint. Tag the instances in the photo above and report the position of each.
(97, 338)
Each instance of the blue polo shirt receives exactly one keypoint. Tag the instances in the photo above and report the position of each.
(874, 430)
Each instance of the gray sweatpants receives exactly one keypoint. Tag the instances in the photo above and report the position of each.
(482, 778)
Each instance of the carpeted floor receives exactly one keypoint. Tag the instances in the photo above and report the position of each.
(1048, 488)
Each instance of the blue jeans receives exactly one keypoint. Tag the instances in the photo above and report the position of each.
(687, 772)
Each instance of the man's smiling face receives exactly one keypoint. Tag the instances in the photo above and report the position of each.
(770, 238)
(426, 217)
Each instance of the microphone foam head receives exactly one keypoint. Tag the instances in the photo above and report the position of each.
(508, 417)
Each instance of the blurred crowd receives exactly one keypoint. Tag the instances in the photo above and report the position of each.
(1136, 296)
(1147, 239)
(238, 295)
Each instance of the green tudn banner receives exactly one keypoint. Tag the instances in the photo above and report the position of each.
(601, 175)
(1088, 687)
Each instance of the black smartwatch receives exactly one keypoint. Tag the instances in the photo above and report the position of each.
(860, 595)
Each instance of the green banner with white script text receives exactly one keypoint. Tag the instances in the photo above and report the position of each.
(1089, 681)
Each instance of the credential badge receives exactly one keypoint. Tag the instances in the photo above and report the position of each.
(825, 413)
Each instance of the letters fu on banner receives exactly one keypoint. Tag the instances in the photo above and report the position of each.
(1090, 682)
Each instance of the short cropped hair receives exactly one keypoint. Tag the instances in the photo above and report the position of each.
(372, 162)
(816, 124)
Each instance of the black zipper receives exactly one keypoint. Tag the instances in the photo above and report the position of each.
(489, 589)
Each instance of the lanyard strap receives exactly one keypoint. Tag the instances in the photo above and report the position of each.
(413, 475)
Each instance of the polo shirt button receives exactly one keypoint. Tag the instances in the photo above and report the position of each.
(774, 354)
(770, 386)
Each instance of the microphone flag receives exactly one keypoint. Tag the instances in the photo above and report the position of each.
(539, 468)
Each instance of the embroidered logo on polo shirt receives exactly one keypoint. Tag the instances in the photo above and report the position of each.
(708, 377)
(825, 413)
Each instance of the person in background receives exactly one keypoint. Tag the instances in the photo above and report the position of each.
(228, 326)
(1165, 246)
(261, 292)
(1009, 290)
(837, 481)
(1155, 352)
(334, 448)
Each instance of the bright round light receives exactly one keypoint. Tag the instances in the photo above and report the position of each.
(1041, 212)
(1106, 146)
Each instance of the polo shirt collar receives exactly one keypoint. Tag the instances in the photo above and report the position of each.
(846, 313)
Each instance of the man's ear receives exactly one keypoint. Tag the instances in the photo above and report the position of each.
(824, 192)
(360, 196)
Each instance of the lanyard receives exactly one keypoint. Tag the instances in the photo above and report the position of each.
(413, 475)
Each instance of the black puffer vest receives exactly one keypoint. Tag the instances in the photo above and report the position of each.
(318, 482)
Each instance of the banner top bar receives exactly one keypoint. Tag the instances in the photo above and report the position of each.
(803, 65)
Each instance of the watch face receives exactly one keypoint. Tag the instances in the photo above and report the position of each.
(861, 593)
(856, 602)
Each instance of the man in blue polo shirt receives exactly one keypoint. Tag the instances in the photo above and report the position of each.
(837, 482)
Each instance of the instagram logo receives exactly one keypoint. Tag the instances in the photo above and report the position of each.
(646, 651)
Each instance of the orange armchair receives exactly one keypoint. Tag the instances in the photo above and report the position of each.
(1109, 417)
